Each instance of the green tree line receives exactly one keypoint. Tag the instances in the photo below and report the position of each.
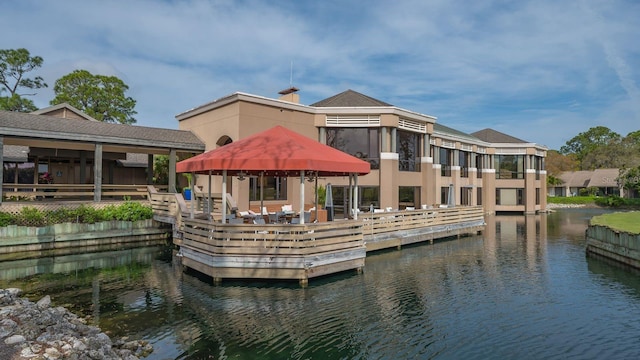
(598, 148)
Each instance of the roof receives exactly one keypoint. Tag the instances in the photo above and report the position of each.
(134, 160)
(439, 128)
(494, 136)
(575, 178)
(604, 178)
(15, 153)
(589, 178)
(278, 152)
(54, 128)
(67, 106)
(349, 98)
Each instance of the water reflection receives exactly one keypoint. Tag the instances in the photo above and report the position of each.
(523, 289)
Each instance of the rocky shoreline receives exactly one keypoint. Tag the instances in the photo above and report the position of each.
(38, 331)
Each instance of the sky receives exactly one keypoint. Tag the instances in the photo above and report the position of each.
(542, 71)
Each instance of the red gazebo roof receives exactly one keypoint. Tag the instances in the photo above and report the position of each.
(278, 152)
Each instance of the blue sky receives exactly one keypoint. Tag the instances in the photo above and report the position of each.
(542, 71)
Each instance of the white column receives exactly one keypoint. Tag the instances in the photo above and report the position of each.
(224, 196)
(355, 196)
(301, 197)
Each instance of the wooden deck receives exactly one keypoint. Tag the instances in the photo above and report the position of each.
(300, 251)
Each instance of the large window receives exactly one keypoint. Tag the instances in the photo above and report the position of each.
(509, 166)
(463, 158)
(479, 196)
(362, 143)
(408, 196)
(408, 150)
(445, 162)
(367, 196)
(479, 165)
(509, 196)
(274, 188)
(18, 173)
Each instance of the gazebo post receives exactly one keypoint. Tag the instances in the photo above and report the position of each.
(224, 196)
(301, 196)
(261, 194)
(355, 196)
(192, 196)
(209, 204)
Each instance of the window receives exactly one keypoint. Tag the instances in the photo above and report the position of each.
(465, 196)
(509, 166)
(479, 165)
(444, 195)
(463, 158)
(367, 196)
(19, 173)
(408, 150)
(509, 196)
(274, 188)
(537, 196)
(445, 162)
(362, 143)
(408, 196)
(479, 196)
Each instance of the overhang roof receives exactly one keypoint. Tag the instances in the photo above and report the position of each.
(278, 152)
(33, 126)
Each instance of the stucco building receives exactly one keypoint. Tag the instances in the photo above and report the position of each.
(415, 161)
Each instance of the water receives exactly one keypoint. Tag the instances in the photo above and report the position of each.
(523, 290)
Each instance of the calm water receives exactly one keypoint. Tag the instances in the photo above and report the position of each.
(523, 290)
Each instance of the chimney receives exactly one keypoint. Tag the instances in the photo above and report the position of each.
(290, 95)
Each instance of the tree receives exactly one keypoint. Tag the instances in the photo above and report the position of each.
(584, 143)
(14, 64)
(557, 163)
(99, 96)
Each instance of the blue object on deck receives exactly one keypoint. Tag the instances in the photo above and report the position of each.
(187, 194)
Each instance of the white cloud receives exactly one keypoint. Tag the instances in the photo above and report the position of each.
(560, 65)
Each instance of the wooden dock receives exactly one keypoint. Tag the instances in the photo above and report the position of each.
(302, 251)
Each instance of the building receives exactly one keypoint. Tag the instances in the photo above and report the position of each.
(415, 161)
(602, 182)
(73, 148)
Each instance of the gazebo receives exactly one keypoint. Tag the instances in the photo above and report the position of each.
(276, 152)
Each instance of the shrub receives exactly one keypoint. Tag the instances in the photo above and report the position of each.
(5, 219)
(29, 216)
(611, 201)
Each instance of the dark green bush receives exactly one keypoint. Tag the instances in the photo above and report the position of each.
(5, 219)
(29, 216)
(611, 201)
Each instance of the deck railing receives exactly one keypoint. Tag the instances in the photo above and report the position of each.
(72, 191)
(384, 222)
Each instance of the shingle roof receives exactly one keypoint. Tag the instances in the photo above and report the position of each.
(15, 153)
(604, 178)
(50, 127)
(349, 98)
(576, 178)
(450, 131)
(493, 136)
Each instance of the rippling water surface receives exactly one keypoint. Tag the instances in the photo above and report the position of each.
(522, 290)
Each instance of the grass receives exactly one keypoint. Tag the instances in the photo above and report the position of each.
(571, 200)
(623, 221)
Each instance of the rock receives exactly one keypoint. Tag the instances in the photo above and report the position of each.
(44, 303)
(14, 339)
(38, 331)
